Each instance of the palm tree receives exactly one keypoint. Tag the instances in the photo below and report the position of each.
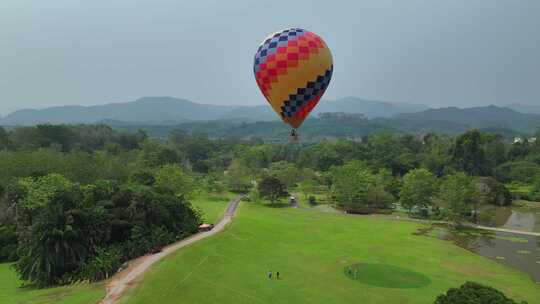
(55, 247)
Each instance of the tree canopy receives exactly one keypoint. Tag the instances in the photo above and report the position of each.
(419, 189)
(474, 293)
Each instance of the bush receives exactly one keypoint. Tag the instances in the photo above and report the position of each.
(535, 189)
(492, 192)
(312, 200)
(8, 244)
(378, 198)
(474, 293)
(102, 265)
(520, 171)
(61, 225)
(520, 191)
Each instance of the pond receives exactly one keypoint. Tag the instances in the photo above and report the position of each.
(522, 215)
(521, 252)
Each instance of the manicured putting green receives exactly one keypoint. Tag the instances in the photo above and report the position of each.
(388, 276)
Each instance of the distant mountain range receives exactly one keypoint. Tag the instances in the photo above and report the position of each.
(168, 110)
(337, 125)
(453, 118)
(370, 108)
(527, 109)
(147, 110)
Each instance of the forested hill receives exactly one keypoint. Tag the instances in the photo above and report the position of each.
(370, 108)
(523, 108)
(348, 117)
(315, 129)
(476, 117)
(148, 110)
(330, 126)
(168, 110)
(452, 121)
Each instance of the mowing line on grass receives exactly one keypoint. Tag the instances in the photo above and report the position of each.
(230, 289)
(192, 271)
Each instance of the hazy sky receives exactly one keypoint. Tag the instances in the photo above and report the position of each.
(467, 52)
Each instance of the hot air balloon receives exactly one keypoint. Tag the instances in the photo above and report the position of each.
(293, 68)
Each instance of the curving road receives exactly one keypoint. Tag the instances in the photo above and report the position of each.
(126, 278)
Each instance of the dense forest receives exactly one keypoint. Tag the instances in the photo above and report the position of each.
(332, 125)
(78, 201)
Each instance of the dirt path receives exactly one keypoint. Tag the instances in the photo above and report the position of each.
(126, 278)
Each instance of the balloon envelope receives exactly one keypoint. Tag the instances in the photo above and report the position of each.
(293, 68)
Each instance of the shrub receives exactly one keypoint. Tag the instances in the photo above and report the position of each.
(8, 244)
(474, 293)
(492, 192)
(377, 197)
(535, 189)
(520, 190)
(62, 225)
(102, 265)
(521, 171)
(312, 200)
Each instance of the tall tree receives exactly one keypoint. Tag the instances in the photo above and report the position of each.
(171, 178)
(535, 192)
(458, 195)
(51, 242)
(4, 139)
(350, 185)
(155, 154)
(418, 189)
(238, 177)
(469, 155)
(178, 136)
(286, 172)
(436, 155)
(271, 188)
(495, 150)
(377, 197)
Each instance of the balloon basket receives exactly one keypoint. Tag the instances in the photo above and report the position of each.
(293, 136)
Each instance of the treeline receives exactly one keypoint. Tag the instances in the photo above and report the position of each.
(77, 201)
(69, 232)
(434, 175)
(66, 138)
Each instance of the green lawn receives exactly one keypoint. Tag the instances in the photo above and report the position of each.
(212, 205)
(12, 293)
(317, 255)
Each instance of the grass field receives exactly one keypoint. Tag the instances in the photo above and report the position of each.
(323, 258)
(212, 205)
(12, 293)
